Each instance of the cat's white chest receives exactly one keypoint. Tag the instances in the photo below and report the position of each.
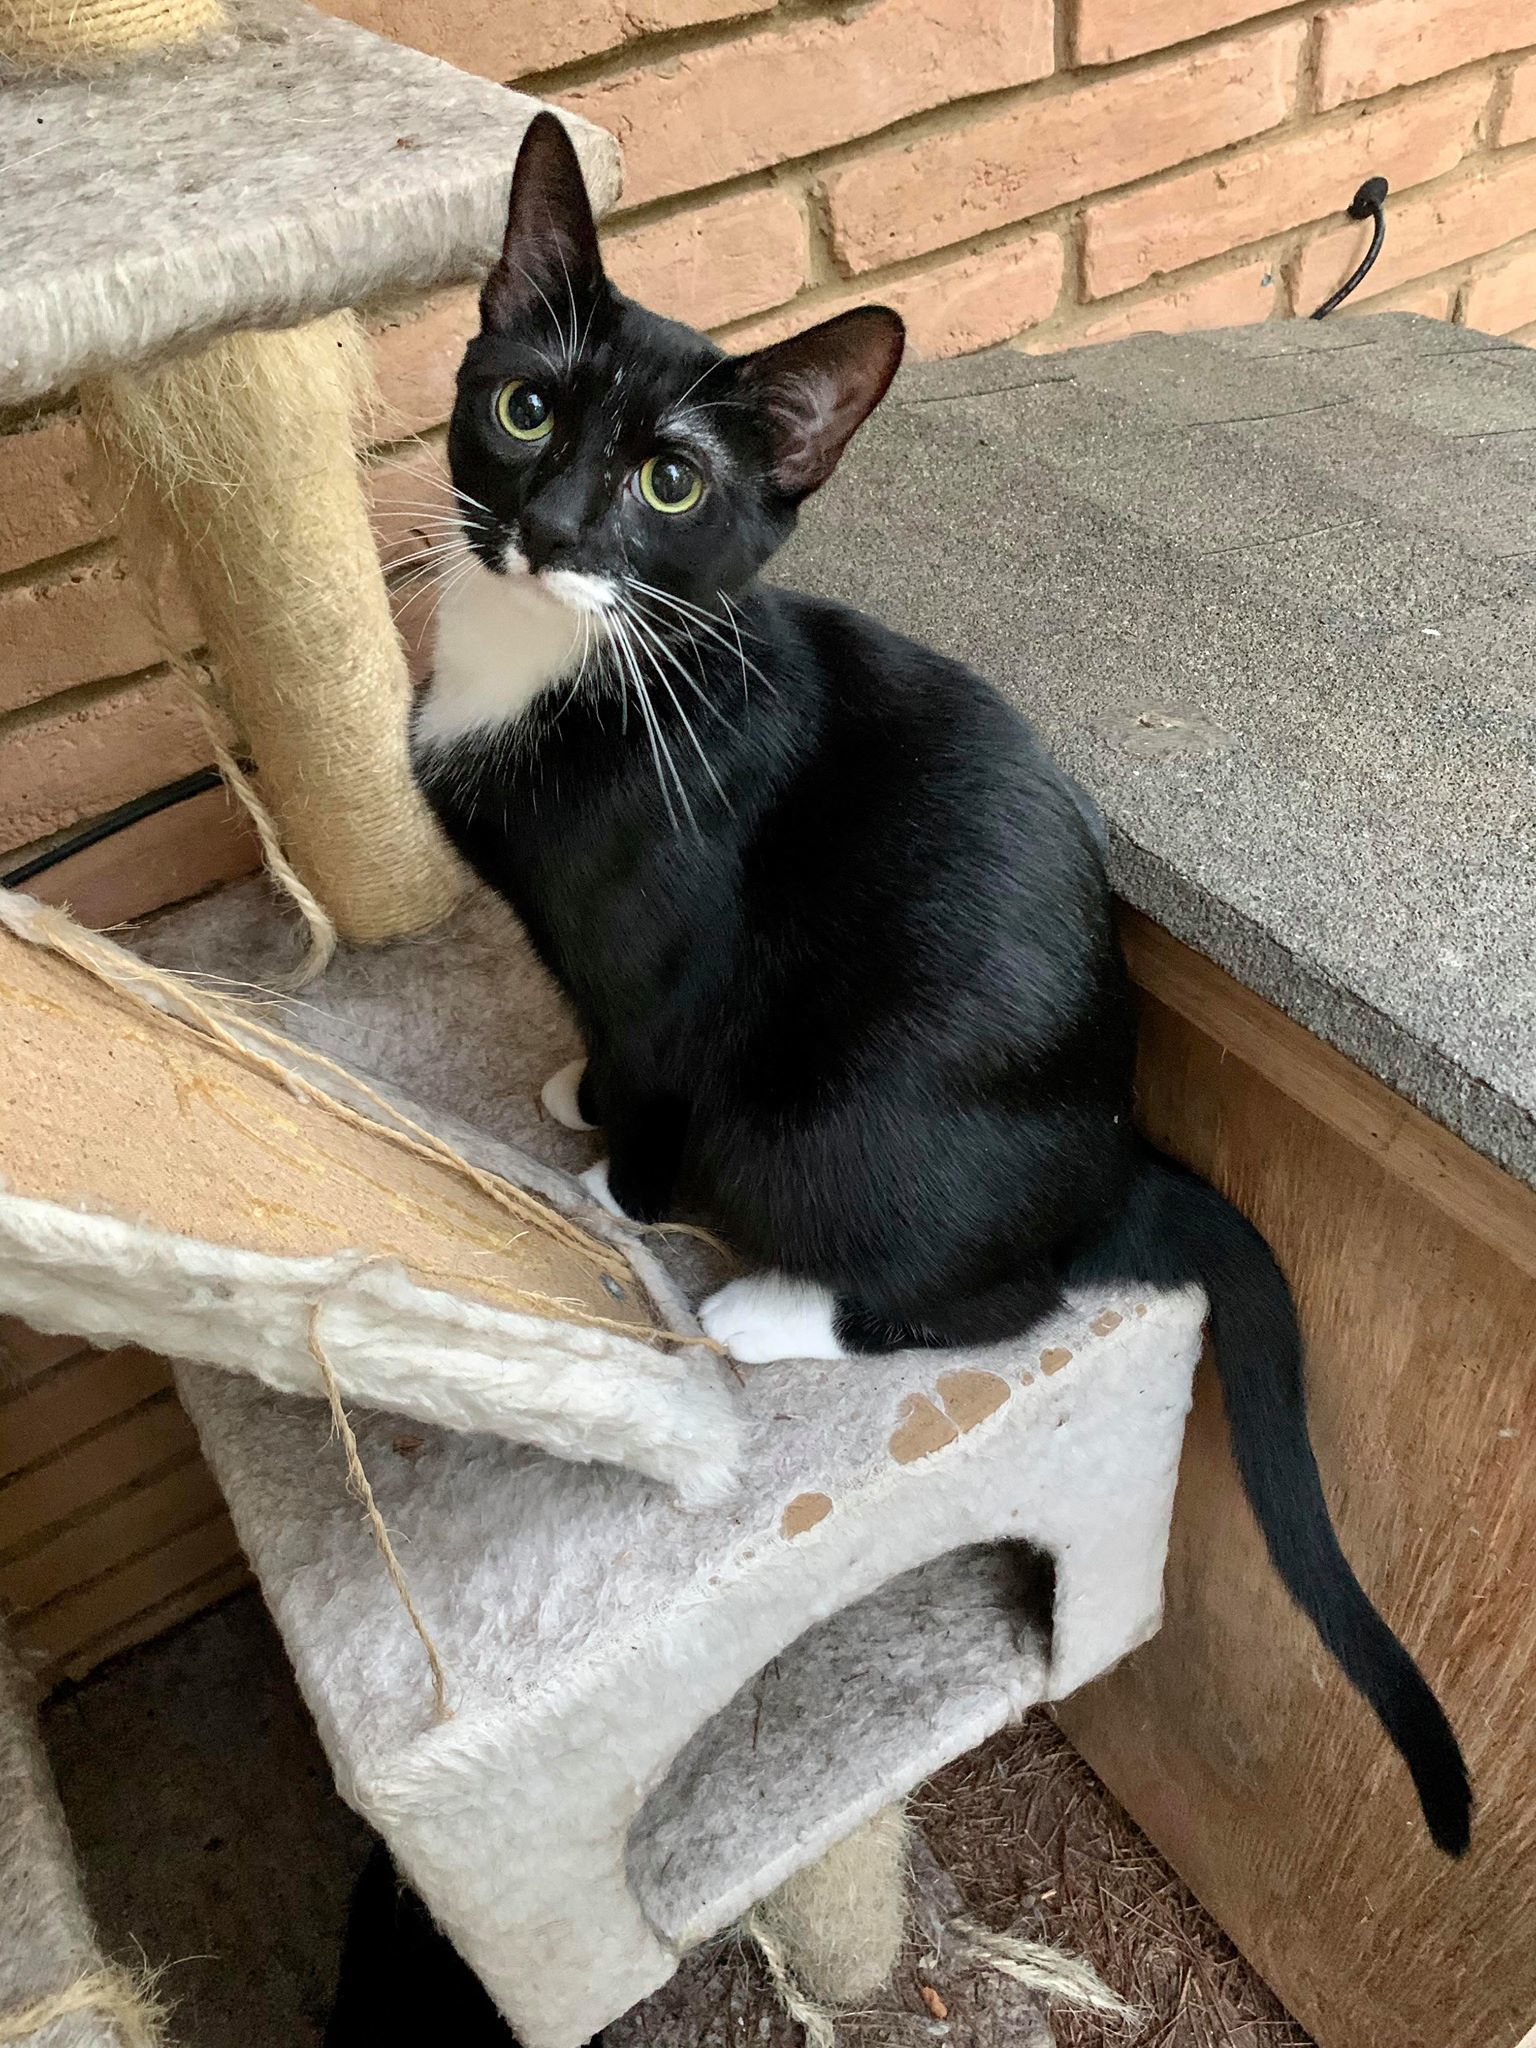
(500, 641)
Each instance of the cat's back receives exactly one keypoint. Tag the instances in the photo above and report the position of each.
(913, 744)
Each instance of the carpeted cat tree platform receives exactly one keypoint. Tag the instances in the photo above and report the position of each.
(672, 1675)
(56, 1990)
(624, 1646)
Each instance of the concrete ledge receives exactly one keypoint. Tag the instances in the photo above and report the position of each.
(1271, 594)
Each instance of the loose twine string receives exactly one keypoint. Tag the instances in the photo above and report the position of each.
(357, 1480)
(1035, 1964)
(815, 2020)
(126, 2003)
(318, 923)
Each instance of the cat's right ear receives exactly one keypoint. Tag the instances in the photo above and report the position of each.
(817, 389)
(551, 237)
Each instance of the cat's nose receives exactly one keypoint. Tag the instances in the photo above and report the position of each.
(550, 532)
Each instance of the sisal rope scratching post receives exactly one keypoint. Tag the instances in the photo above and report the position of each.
(831, 1933)
(245, 455)
(41, 35)
(245, 451)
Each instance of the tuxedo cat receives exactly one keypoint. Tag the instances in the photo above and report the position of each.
(834, 927)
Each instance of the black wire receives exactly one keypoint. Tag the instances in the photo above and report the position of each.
(130, 813)
(1369, 203)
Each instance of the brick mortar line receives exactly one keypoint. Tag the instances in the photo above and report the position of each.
(16, 1384)
(205, 1520)
(1066, 306)
(664, 45)
(956, 115)
(60, 1666)
(1074, 271)
(25, 419)
(83, 696)
(1308, 93)
(1256, 24)
(58, 568)
(1460, 276)
(801, 176)
(106, 550)
(379, 453)
(163, 1398)
(607, 65)
(1475, 162)
(1282, 249)
(151, 1475)
(1498, 100)
(1066, 215)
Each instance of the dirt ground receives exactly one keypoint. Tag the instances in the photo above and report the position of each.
(210, 1839)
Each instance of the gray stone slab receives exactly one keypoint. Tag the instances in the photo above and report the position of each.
(292, 166)
(1271, 595)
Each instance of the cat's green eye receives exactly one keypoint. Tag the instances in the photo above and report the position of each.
(670, 483)
(523, 411)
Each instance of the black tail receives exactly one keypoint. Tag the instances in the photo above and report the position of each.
(1177, 1228)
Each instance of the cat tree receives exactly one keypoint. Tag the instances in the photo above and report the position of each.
(686, 1636)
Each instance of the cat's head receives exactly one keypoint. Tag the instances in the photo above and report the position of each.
(597, 447)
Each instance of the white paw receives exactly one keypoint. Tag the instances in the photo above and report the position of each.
(768, 1316)
(558, 1096)
(595, 1181)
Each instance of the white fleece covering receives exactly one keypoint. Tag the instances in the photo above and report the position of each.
(433, 1356)
(47, 1942)
(437, 1357)
(660, 1714)
(292, 168)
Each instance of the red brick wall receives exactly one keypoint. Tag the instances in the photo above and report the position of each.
(1045, 171)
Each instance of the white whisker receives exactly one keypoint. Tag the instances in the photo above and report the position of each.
(649, 641)
(657, 738)
(710, 623)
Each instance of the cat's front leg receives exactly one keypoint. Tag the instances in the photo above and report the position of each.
(638, 1179)
(767, 1316)
(569, 1099)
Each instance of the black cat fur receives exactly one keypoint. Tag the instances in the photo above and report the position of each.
(845, 968)
(401, 1983)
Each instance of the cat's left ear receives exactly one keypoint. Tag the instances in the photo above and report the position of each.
(551, 237)
(818, 388)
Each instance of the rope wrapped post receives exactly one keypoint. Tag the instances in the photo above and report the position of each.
(80, 35)
(831, 1934)
(245, 451)
(244, 456)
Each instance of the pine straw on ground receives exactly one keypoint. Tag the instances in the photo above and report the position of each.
(1023, 1837)
(1037, 1845)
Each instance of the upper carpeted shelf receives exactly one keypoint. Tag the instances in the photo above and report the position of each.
(281, 169)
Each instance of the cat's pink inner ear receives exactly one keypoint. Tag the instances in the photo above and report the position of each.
(551, 236)
(817, 389)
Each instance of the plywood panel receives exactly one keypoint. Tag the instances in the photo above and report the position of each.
(1231, 1738)
(106, 1101)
